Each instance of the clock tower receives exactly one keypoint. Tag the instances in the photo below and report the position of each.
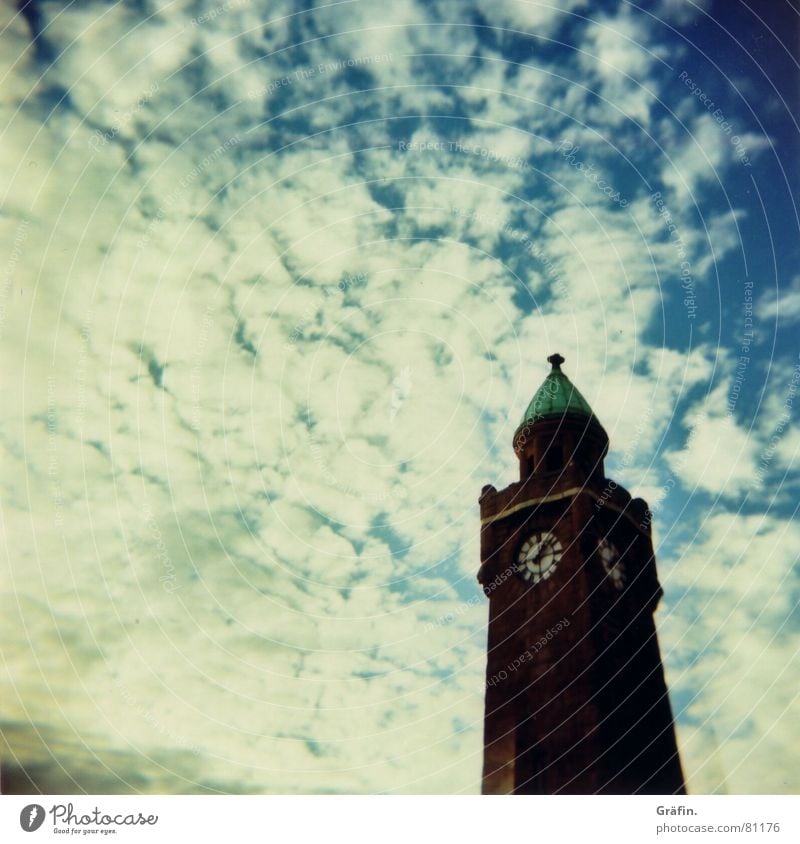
(576, 701)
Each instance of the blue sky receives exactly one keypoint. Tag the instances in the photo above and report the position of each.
(278, 285)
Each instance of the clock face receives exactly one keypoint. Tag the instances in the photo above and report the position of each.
(612, 563)
(538, 557)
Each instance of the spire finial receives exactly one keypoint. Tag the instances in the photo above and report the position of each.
(556, 360)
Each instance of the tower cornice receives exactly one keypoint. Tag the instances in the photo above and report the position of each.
(638, 520)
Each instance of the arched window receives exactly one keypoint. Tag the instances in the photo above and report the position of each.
(554, 458)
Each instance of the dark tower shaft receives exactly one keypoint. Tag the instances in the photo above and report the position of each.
(576, 701)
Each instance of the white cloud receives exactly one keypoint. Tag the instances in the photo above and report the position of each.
(719, 456)
(699, 159)
(528, 16)
(739, 581)
(782, 306)
(681, 12)
(616, 54)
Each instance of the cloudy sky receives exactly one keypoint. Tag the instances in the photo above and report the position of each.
(278, 281)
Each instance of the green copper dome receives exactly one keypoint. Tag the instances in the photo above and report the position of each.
(557, 396)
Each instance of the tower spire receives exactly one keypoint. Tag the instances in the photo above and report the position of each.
(556, 396)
